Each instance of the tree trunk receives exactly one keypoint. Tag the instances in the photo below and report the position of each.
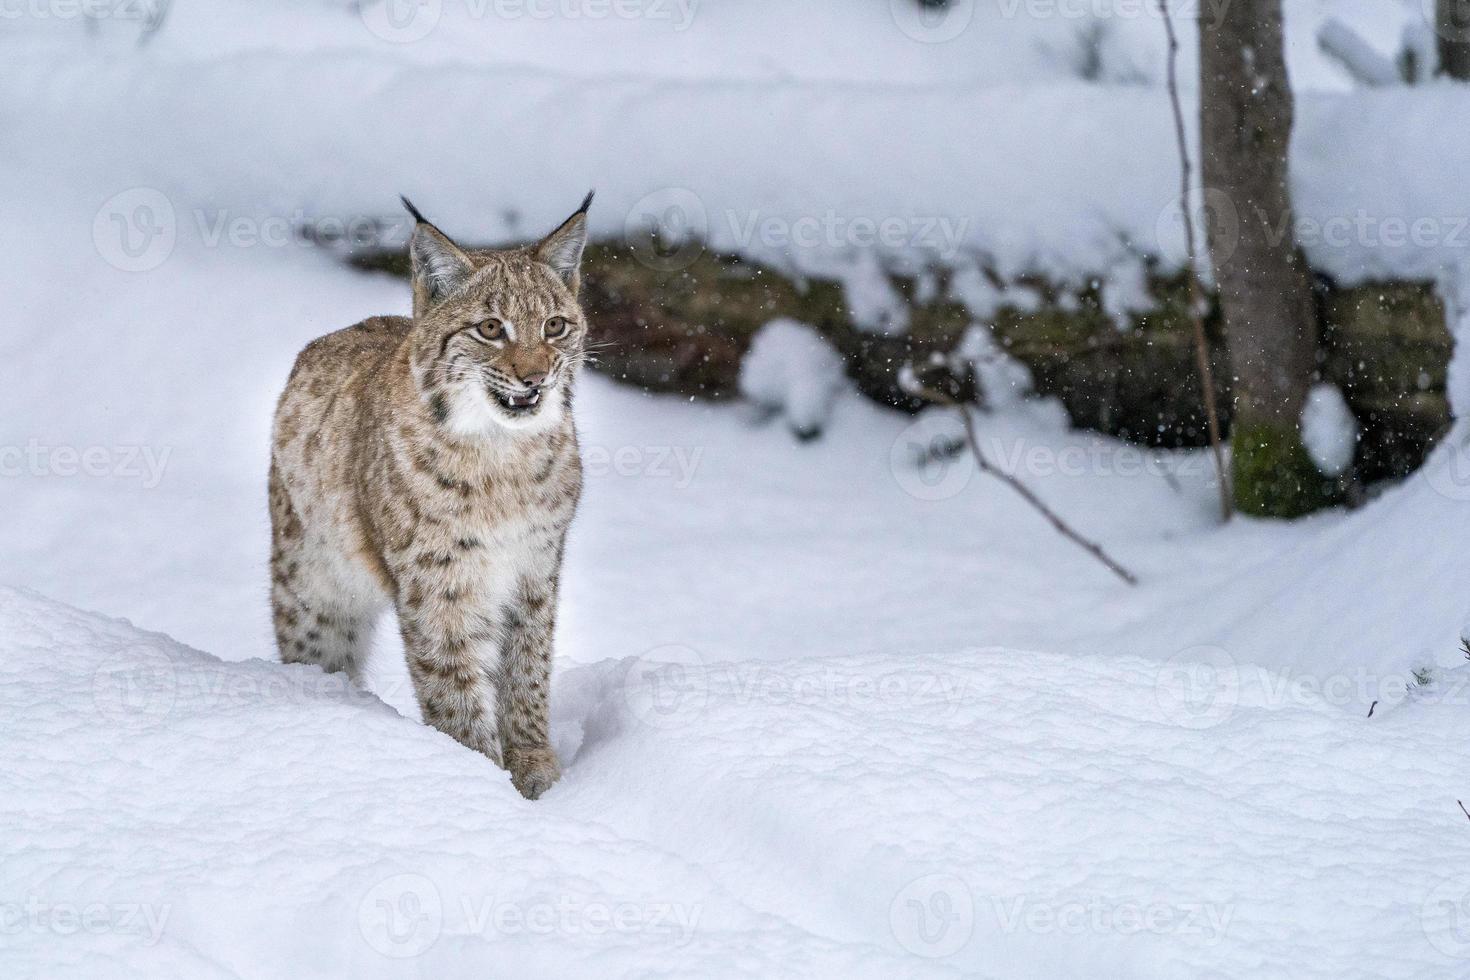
(1452, 27)
(1265, 288)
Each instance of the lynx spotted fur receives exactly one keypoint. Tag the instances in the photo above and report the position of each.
(431, 464)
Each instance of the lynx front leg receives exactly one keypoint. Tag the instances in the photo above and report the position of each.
(453, 677)
(525, 687)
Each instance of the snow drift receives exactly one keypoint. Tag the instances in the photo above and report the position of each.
(989, 812)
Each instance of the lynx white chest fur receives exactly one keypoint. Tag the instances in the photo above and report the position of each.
(430, 463)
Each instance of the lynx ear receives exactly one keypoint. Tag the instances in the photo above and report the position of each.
(562, 249)
(439, 265)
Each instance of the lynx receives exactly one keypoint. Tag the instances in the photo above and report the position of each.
(431, 463)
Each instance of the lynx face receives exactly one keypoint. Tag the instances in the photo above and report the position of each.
(498, 334)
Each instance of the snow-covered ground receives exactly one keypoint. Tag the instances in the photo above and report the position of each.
(850, 764)
(825, 710)
(978, 812)
(240, 120)
(887, 42)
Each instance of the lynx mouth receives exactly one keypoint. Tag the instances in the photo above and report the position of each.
(517, 404)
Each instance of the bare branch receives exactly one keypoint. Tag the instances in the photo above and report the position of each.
(1196, 293)
(1091, 547)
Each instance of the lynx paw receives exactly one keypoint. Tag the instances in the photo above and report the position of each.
(532, 771)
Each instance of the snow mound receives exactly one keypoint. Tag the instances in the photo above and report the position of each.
(1004, 381)
(990, 812)
(873, 302)
(790, 368)
(1329, 429)
(1007, 172)
(186, 817)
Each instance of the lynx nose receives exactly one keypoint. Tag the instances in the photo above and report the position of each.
(534, 380)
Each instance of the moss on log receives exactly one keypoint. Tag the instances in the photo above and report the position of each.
(1274, 476)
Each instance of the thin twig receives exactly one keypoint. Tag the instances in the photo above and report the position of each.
(1091, 547)
(1463, 810)
(1196, 292)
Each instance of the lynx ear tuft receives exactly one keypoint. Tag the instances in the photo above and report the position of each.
(439, 265)
(562, 249)
(413, 210)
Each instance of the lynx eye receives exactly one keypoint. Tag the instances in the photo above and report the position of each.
(491, 330)
(557, 326)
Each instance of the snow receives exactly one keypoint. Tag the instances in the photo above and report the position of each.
(792, 583)
(1329, 429)
(1126, 292)
(195, 381)
(1020, 812)
(1004, 381)
(792, 369)
(874, 305)
(855, 731)
(1367, 65)
(1453, 288)
(321, 806)
(784, 154)
(846, 708)
(885, 42)
(983, 299)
